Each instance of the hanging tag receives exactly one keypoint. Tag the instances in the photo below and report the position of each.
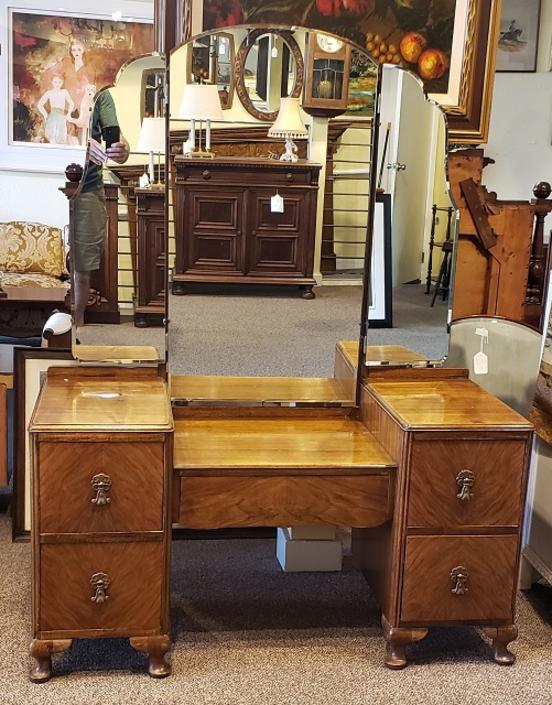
(480, 364)
(277, 204)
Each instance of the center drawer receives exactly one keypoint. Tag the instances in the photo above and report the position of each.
(107, 587)
(461, 483)
(100, 487)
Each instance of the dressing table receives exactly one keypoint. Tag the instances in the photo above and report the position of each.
(427, 469)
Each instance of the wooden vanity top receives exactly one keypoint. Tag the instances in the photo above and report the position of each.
(71, 402)
(445, 403)
(269, 443)
(321, 390)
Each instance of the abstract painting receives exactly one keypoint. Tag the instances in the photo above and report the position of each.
(58, 63)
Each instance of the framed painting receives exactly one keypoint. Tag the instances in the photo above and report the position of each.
(57, 64)
(450, 44)
(30, 367)
(519, 35)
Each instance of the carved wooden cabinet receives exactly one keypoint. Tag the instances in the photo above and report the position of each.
(101, 529)
(149, 305)
(450, 554)
(225, 228)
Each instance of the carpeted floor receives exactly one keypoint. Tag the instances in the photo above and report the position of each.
(255, 331)
(247, 634)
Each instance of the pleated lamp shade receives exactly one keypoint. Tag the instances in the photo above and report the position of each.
(289, 122)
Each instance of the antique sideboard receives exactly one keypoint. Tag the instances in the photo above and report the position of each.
(430, 472)
(226, 230)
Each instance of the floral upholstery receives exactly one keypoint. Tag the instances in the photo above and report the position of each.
(32, 280)
(32, 249)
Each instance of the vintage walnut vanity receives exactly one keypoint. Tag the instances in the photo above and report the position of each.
(427, 469)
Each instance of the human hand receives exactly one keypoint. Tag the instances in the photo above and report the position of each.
(119, 151)
(96, 153)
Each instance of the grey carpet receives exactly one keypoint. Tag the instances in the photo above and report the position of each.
(247, 634)
(255, 331)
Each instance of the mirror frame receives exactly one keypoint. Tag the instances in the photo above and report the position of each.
(239, 69)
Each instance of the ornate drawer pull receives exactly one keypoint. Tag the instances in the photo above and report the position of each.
(459, 579)
(465, 481)
(101, 484)
(99, 583)
(289, 176)
(206, 174)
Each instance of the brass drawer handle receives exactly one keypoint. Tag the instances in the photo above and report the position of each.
(459, 578)
(101, 484)
(465, 481)
(99, 583)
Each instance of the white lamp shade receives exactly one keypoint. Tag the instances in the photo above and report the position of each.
(200, 101)
(152, 135)
(289, 122)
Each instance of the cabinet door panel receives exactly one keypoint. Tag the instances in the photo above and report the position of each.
(213, 232)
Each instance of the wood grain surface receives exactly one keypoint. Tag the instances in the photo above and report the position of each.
(446, 404)
(259, 389)
(96, 403)
(115, 353)
(215, 502)
(65, 473)
(498, 469)
(490, 562)
(134, 601)
(276, 443)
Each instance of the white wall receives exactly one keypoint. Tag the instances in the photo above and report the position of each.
(31, 176)
(520, 135)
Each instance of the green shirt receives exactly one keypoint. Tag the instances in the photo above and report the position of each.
(104, 115)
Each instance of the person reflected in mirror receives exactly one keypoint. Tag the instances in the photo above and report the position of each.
(60, 106)
(89, 210)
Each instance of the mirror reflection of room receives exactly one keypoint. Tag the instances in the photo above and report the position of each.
(117, 218)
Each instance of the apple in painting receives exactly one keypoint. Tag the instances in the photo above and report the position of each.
(412, 45)
(432, 64)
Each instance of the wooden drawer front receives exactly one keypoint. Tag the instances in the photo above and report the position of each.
(246, 175)
(495, 498)
(214, 502)
(134, 595)
(490, 564)
(68, 483)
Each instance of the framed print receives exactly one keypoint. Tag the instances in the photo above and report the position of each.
(519, 33)
(450, 44)
(30, 366)
(57, 64)
(380, 313)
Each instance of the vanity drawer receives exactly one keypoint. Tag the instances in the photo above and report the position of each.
(431, 565)
(242, 175)
(132, 603)
(213, 502)
(458, 483)
(100, 487)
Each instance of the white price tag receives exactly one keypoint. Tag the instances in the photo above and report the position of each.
(277, 204)
(480, 364)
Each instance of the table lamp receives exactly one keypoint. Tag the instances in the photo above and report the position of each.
(152, 139)
(290, 126)
(200, 101)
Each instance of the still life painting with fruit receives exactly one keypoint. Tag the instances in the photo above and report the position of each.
(416, 34)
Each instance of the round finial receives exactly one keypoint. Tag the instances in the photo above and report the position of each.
(74, 173)
(542, 190)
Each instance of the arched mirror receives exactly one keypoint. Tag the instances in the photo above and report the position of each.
(211, 60)
(269, 67)
(117, 235)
